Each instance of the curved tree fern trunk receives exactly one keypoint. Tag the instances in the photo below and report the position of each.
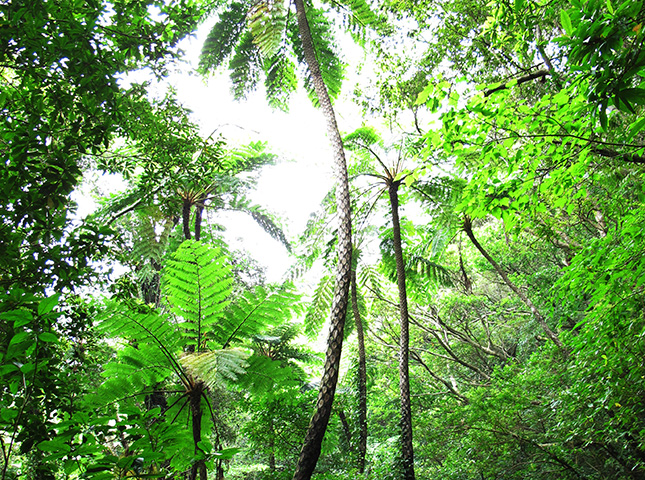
(404, 350)
(318, 425)
(362, 378)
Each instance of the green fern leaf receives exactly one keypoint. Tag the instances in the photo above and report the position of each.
(148, 357)
(358, 18)
(253, 312)
(362, 138)
(280, 80)
(263, 374)
(223, 37)
(245, 67)
(198, 283)
(432, 271)
(319, 306)
(267, 20)
(217, 367)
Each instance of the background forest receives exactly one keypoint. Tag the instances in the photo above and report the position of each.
(477, 271)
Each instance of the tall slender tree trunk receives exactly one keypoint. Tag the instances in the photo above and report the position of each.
(318, 425)
(362, 378)
(407, 450)
(468, 228)
(199, 211)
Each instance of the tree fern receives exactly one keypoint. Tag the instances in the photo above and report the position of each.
(190, 345)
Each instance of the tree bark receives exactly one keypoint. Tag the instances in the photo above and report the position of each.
(198, 467)
(185, 215)
(362, 378)
(318, 425)
(468, 228)
(199, 211)
(407, 450)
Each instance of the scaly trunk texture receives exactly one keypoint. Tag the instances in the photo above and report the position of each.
(468, 228)
(185, 215)
(362, 378)
(318, 425)
(407, 451)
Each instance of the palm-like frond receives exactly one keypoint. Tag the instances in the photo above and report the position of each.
(280, 80)
(430, 270)
(223, 37)
(357, 17)
(267, 20)
(135, 372)
(253, 312)
(217, 366)
(246, 158)
(264, 219)
(371, 278)
(245, 66)
(263, 373)
(269, 226)
(362, 138)
(148, 357)
(319, 306)
(198, 283)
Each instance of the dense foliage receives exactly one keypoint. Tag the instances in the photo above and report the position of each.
(495, 305)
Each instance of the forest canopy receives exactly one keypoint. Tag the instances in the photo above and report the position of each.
(476, 272)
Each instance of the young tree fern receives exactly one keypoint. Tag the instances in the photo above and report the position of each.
(189, 350)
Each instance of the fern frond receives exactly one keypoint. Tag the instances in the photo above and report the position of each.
(217, 366)
(280, 81)
(133, 373)
(269, 226)
(245, 67)
(370, 277)
(357, 17)
(145, 326)
(223, 37)
(148, 357)
(198, 283)
(431, 271)
(253, 312)
(264, 219)
(247, 158)
(263, 374)
(319, 306)
(361, 138)
(267, 20)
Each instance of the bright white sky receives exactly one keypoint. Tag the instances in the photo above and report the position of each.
(292, 189)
